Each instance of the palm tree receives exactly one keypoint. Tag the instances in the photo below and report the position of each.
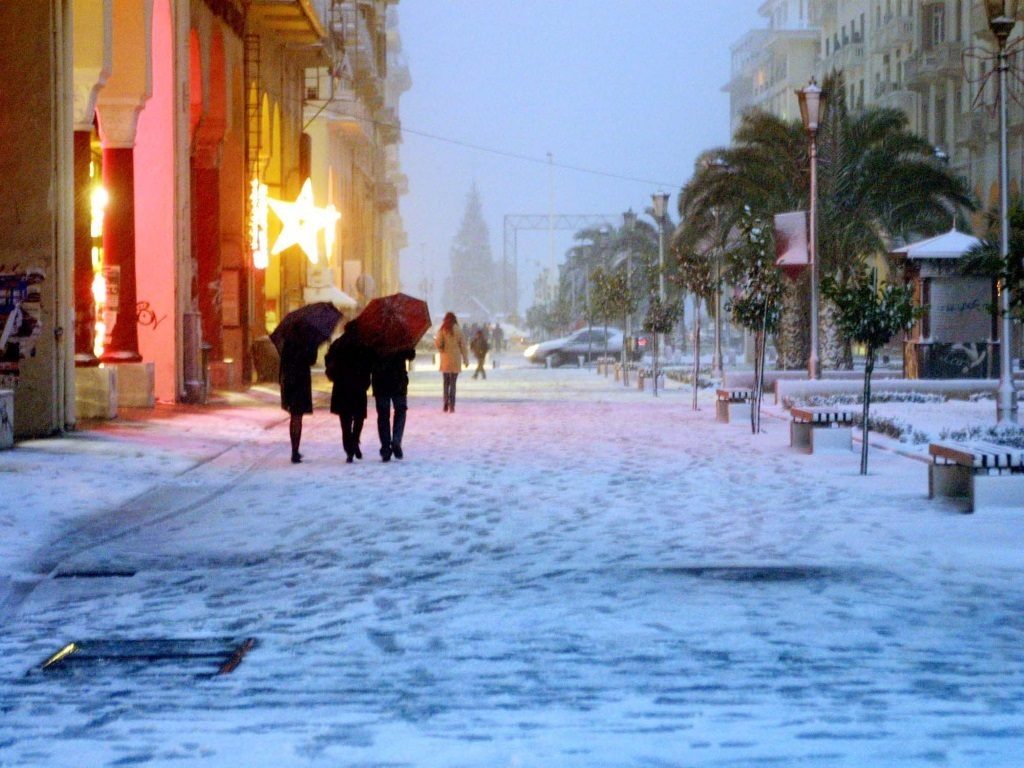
(984, 259)
(877, 182)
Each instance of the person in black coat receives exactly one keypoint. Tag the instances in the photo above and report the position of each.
(390, 388)
(348, 365)
(296, 382)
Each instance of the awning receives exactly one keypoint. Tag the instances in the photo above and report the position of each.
(331, 293)
(952, 245)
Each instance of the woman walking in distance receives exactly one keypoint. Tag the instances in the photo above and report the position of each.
(348, 364)
(451, 343)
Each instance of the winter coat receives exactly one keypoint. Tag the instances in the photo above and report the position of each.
(453, 349)
(390, 376)
(348, 364)
(480, 346)
(295, 378)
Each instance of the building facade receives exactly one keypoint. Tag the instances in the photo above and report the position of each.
(769, 64)
(152, 176)
(931, 59)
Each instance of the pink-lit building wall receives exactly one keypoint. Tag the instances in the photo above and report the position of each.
(156, 261)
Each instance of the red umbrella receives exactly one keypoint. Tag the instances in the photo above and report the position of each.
(392, 323)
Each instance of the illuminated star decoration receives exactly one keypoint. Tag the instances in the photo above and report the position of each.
(302, 222)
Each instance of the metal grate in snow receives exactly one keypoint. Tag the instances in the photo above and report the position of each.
(94, 574)
(185, 657)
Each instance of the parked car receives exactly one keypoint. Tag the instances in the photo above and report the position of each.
(587, 342)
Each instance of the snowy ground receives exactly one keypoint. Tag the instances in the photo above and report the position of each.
(562, 573)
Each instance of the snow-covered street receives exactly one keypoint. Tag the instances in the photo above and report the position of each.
(562, 573)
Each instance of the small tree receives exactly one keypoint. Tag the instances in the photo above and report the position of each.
(870, 315)
(696, 275)
(757, 305)
(614, 299)
(660, 318)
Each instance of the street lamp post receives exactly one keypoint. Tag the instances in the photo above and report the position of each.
(1002, 17)
(628, 224)
(812, 103)
(660, 206)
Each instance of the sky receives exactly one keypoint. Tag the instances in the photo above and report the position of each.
(628, 88)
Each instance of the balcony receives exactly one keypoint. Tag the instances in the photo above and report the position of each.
(972, 129)
(898, 98)
(349, 27)
(895, 32)
(942, 62)
(387, 196)
(850, 56)
(293, 21)
(389, 127)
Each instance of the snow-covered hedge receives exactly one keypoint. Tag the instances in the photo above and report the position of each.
(893, 427)
(951, 388)
(1012, 434)
(746, 378)
(858, 399)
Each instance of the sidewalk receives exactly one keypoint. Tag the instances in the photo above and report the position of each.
(563, 573)
(103, 464)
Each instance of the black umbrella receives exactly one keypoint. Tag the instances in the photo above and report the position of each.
(307, 327)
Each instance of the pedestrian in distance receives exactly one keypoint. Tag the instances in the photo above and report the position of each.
(348, 365)
(480, 348)
(297, 358)
(498, 337)
(390, 379)
(451, 343)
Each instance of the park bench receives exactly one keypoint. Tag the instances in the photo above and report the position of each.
(817, 429)
(733, 403)
(986, 474)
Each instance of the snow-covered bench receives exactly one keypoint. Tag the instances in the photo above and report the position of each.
(988, 475)
(732, 403)
(820, 428)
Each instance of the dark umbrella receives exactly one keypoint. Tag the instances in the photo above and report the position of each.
(307, 327)
(392, 323)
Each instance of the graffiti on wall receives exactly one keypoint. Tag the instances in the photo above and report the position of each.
(20, 319)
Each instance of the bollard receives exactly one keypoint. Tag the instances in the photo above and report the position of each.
(579, 360)
(6, 418)
(640, 380)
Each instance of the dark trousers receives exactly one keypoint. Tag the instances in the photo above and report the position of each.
(351, 429)
(480, 367)
(449, 389)
(390, 435)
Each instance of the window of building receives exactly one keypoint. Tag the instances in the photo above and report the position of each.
(934, 25)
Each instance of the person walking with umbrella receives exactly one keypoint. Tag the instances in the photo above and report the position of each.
(390, 390)
(348, 365)
(480, 348)
(391, 326)
(298, 338)
(451, 343)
